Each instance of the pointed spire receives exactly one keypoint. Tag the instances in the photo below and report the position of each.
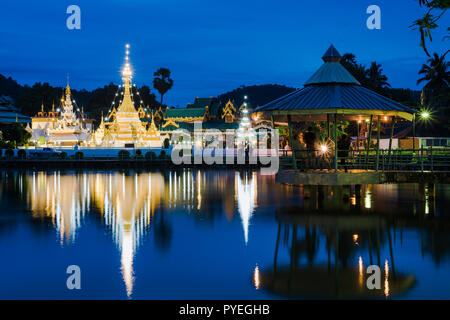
(42, 106)
(331, 55)
(53, 106)
(127, 104)
(68, 87)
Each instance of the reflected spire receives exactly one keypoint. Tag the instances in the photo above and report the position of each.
(246, 199)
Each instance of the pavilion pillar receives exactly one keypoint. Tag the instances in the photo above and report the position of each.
(273, 122)
(335, 144)
(369, 137)
(414, 132)
(328, 125)
(357, 137)
(390, 138)
(291, 140)
(378, 144)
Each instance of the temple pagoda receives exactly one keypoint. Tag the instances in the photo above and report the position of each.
(124, 127)
(63, 126)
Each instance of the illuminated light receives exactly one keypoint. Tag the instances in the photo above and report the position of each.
(256, 278)
(361, 272)
(385, 118)
(353, 201)
(355, 239)
(368, 199)
(323, 149)
(245, 97)
(425, 115)
(127, 46)
(386, 279)
(367, 120)
(359, 121)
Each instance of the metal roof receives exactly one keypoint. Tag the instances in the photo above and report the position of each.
(332, 87)
(185, 113)
(331, 72)
(334, 96)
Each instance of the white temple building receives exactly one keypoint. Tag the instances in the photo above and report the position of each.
(63, 127)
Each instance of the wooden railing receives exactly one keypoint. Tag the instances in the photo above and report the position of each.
(422, 159)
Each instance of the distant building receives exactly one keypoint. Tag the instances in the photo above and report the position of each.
(10, 113)
(208, 111)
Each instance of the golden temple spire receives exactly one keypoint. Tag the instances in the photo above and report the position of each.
(53, 106)
(127, 103)
(68, 98)
(42, 106)
(68, 87)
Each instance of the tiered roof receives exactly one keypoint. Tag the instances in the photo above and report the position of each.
(333, 90)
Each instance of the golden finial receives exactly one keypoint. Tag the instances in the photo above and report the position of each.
(68, 87)
(42, 106)
(53, 106)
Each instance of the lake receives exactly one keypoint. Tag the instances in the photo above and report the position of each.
(205, 234)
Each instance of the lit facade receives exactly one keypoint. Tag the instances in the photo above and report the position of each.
(123, 127)
(63, 127)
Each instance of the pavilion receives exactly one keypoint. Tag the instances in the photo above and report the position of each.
(333, 94)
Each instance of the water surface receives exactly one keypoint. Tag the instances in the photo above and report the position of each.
(218, 235)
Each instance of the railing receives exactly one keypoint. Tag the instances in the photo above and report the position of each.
(423, 159)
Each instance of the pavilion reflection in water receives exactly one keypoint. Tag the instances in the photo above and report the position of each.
(129, 202)
(347, 223)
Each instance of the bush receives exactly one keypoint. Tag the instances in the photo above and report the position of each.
(63, 155)
(9, 153)
(150, 155)
(162, 155)
(166, 143)
(22, 154)
(124, 154)
(79, 155)
(138, 154)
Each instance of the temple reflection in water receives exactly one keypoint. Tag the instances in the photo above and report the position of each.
(127, 202)
(323, 238)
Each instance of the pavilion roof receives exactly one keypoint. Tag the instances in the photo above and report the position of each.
(332, 89)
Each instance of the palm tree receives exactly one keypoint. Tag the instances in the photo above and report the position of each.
(436, 73)
(162, 82)
(376, 78)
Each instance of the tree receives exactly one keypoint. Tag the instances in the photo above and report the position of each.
(377, 80)
(436, 73)
(14, 135)
(348, 60)
(428, 21)
(162, 82)
(436, 94)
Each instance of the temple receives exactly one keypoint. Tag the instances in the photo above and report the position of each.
(123, 126)
(63, 127)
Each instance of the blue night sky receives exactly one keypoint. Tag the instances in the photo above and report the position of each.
(210, 46)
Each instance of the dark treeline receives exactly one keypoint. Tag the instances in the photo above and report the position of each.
(434, 75)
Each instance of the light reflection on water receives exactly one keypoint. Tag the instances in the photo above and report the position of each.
(318, 228)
